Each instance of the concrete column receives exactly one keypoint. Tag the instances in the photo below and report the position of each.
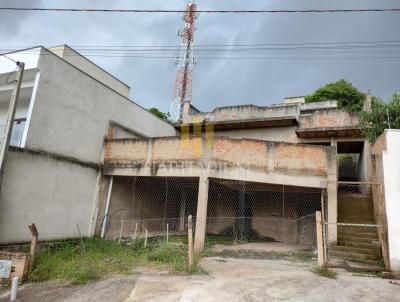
(332, 195)
(201, 214)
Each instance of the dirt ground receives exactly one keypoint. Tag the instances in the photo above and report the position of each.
(277, 247)
(227, 279)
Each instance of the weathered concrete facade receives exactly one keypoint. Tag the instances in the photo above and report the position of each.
(249, 160)
(256, 160)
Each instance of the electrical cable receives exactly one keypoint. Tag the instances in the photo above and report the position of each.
(92, 10)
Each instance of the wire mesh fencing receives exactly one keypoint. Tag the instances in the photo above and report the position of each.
(243, 212)
(237, 211)
(348, 166)
(150, 207)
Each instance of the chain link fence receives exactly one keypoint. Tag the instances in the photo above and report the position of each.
(349, 166)
(237, 212)
(158, 206)
(243, 212)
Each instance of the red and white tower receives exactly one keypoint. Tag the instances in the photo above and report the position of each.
(183, 84)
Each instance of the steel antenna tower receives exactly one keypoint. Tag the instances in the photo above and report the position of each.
(183, 83)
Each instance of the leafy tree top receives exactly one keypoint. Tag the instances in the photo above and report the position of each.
(382, 116)
(343, 92)
(160, 114)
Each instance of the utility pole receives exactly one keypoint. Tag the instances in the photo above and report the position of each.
(183, 84)
(5, 143)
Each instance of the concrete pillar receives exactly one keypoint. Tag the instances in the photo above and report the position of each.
(201, 216)
(368, 102)
(332, 195)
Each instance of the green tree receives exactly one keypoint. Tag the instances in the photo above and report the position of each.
(343, 92)
(160, 114)
(382, 116)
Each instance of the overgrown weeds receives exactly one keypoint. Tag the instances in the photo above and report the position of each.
(323, 271)
(69, 261)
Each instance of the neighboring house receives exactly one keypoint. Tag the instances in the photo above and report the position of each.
(67, 107)
(385, 169)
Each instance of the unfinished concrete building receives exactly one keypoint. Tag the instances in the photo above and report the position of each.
(247, 173)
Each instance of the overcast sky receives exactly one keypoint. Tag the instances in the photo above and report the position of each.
(219, 82)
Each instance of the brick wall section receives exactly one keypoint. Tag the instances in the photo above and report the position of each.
(284, 158)
(328, 119)
(300, 159)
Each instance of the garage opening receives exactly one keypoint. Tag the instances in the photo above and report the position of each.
(242, 212)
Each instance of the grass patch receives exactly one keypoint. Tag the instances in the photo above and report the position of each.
(68, 261)
(323, 271)
(172, 253)
(381, 262)
(305, 255)
(217, 239)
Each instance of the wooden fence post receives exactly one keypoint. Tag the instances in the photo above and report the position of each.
(320, 239)
(34, 242)
(134, 238)
(190, 241)
(120, 231)
(145, 238)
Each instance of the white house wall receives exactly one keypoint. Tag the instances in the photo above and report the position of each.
(54, 194)
(72, 112)
(391, 159)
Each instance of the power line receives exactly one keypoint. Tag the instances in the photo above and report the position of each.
(231, 58)
(93, 10)
(257, 46)
(4, 55)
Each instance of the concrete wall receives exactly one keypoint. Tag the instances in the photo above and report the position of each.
(389, 143)
(76, 59)
(243, 112)
(278, 134)
(271, 162)
(72, 113)
(322, 119)
(329, 118)
(53, 193)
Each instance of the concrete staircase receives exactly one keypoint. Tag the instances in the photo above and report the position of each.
(355, 242)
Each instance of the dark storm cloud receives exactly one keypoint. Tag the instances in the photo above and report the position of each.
(220, 82)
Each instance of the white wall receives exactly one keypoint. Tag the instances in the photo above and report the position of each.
(72, 113)
(53, 193)
(92, 69)
(69, 117)
(391, 168)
